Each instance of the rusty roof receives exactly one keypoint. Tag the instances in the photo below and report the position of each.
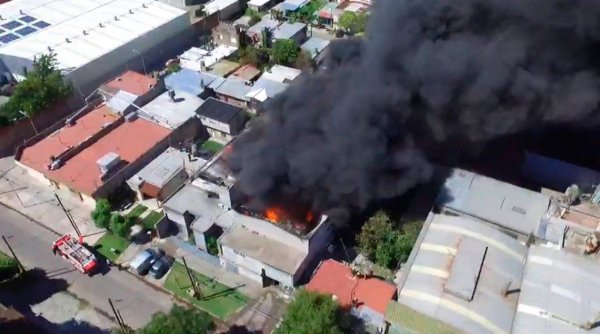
(132, 82)
(130, 140)
(335, 278)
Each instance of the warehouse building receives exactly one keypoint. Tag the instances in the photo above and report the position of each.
(93, 40)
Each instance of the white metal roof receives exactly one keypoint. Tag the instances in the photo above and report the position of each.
(461, 272)
(68, 19)
(217, 5)
(560, 293)
(500, 203)
(258, 2)
(281, 74)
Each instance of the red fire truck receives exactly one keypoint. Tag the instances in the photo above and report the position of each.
(73, 251)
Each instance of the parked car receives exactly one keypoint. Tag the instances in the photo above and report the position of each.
(161, 266)
(144, 260)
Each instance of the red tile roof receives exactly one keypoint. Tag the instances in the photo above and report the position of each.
(129, 140)
(246, 72)
(132, 82)
(335, 278)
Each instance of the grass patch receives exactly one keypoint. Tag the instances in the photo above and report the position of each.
(137, 211)
(151, 219)
(217, 299)
(212, 146)
(109, 241)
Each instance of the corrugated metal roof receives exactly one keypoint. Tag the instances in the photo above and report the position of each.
(68, 19)
(494, 201)
(416, 322)
(560, 293)
(490, 310)
(288, 30)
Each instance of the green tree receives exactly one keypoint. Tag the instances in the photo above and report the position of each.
(211, 246)
(361, 22)
(312, 313)
(304, 61)
(101, 213)
(43, 85)
(254, 19)
(179, 321)
(285, 51)
(118, 225)
(347, 21)
(382, 243)
(8, 267)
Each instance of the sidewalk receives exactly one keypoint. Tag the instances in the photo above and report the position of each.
(37, 201)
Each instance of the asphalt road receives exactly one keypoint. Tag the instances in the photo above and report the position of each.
(135, 300)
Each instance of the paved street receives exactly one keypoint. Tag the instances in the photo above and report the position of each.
(31, 242)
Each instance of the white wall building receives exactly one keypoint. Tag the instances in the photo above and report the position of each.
(92, 39)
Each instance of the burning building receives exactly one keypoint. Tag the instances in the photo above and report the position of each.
(274, 246)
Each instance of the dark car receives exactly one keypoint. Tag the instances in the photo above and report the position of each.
(161, 266)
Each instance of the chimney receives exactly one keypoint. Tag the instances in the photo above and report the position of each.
(172, 95)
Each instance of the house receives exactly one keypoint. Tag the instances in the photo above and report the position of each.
(172, 109)
(194, 209)
(222, 120)
(281, 74)
(293, 6)
(317, 48)
(223, 9)
(93, 152)
(271, 82)
(198, 59)
(256, 33)
(266, 251)
(161, 177)
(463, 276)
(247, 72)
(196, 83)
(271, 253)
(260, 5)
(364, 296)
(92, 40)
(130, 89)
(515, 210)
(262, 90)
(227, 34)
(295, 31)
(329, 14)
(233, 90)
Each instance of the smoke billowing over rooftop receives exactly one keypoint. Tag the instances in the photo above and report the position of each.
(431, 78)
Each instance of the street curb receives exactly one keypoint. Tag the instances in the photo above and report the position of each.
(30, 218)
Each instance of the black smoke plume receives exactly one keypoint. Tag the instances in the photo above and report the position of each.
(433, 78)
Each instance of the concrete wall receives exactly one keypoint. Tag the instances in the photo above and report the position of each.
(173, 35)
(214, 124)
(276, 233)
(253, 268)
(172, 185)
(16, 134)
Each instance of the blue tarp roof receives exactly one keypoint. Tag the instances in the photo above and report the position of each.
(189, 81)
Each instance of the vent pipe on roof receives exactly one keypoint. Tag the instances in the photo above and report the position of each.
(116, 18)
(100, 25)
(85, 32)
(50, 49)
(1, 17)
(21, 12)
(131, 11)
(67, 40)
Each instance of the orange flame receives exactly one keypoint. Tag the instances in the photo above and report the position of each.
(309, 217)
(273, 215)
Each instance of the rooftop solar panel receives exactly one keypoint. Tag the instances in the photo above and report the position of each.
(27, 19)
(26, 31)
(8, 38)
(41, 24)
(12, 24)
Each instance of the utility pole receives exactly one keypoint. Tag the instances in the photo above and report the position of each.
(13, 254)
(69, 217)
(120, 321)
(195, 286)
